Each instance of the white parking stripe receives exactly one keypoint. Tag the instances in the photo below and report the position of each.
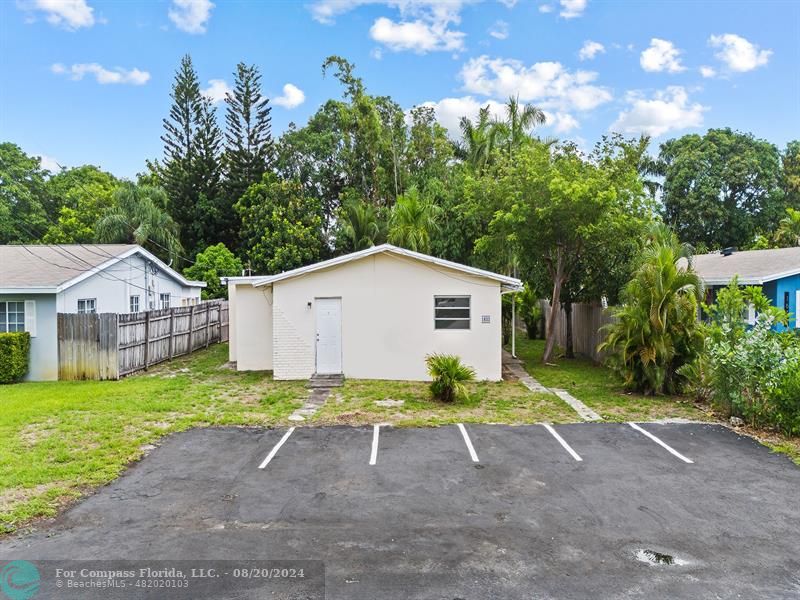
(662, 444)
(277, 447)
(561, 441)
(468, 443)
(373, 457)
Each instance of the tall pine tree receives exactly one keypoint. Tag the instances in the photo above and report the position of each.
(248, 141)
(191, 172)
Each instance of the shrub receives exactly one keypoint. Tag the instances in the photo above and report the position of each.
(656, 332)
(14, 351)
(530, 311)
(449, 375)
(786, 404)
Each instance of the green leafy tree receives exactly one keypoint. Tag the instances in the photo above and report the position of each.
(85, 193)
(788, 232)
(314, 155)
(191, 170)
(790, 173)
(281, 228)
(360, 226)
(429, 151)
(520, 120)
(551, 204)
(657, 332)
(479, 140)
(23, 215)
(721, 188)
(138, 216)
(210, 265)
(248, 140)
(413, 222)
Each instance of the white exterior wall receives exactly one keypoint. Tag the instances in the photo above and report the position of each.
(113, 295)
(387, 319)
(250, 329)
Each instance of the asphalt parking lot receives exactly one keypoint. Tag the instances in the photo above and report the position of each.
(470, 512)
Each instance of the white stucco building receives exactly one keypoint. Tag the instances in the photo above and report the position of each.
(39, 281)
(373, 314)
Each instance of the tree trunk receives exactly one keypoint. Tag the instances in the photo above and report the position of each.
(569, 352)
(555, 306)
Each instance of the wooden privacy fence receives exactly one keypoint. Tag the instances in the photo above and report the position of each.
(587, 321)
(109, 346)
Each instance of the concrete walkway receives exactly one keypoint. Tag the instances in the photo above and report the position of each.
(514, 367)
(320, 387)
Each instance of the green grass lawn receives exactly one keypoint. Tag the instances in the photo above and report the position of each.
(487, 402)
(597, 387)
(60, 439)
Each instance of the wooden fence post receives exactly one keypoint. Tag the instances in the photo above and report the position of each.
(191, 330)
(146, 340)
(171, 332)
(208, 323)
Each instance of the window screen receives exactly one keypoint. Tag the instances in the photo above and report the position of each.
(87, 305)
(12, 317)
(135, 304)
(451, 312)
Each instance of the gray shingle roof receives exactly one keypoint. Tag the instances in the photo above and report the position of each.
(752, 266)
(34, 266)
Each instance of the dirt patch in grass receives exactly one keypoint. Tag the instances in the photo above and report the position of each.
(33, 433)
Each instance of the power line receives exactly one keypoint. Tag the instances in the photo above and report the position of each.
(189, 260)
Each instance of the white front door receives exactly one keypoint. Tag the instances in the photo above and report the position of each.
(329, 335)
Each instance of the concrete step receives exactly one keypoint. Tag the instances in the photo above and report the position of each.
(326, 381)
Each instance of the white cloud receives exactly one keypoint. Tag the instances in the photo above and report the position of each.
(191, 16)
(499, 30)
(545, 8)
(667, 110)
(376, 53)
(737, 53)
(49, 163)
(661, 55)
(417, 36)
(67, 14)
(508, 3)
(450, 110)
(561, 122)
(590, 49)
(216, 90)
(424, 25)
(102, 75)
(548, 84)
(292, 97)
(572, 8)
(707, 71)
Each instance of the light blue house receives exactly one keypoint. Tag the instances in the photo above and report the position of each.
(776, 271)
(39, 281)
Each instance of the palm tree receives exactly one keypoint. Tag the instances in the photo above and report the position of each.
(479, 140)
(656, 329)
(520, 119)
(788, 233)
(413, 222)
(137, 216)
(361, 227)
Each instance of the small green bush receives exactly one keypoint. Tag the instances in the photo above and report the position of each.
(449, 375)
(14, 351)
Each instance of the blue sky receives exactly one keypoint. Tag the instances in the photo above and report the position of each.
(87, 81)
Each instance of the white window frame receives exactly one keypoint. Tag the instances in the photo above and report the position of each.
(161, 298)
(437, 319)
(5, 323)
(138, 302)
(85, 301)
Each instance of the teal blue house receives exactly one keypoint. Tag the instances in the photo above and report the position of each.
(776, 271)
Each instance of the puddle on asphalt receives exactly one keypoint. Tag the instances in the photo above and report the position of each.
(651, 557)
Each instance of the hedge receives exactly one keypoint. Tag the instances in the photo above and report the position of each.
(14, 351)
